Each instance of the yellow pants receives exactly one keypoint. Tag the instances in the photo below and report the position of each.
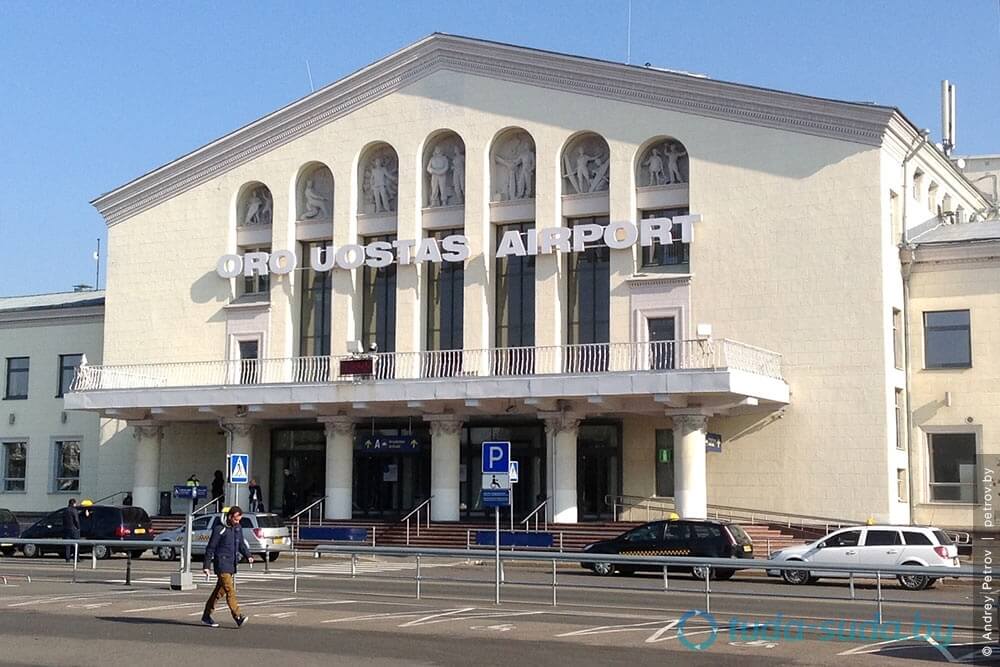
(224, 585)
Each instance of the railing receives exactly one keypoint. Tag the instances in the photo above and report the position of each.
(316, 505)
(206, 508)
(112, 495)
(533, 514)
(654, 356)
(414, 514)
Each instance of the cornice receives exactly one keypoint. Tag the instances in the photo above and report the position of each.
(859, 123)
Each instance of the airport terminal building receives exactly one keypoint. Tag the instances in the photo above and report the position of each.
(653, 284)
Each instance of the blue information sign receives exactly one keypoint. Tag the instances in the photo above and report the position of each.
(496, 497)
(496, 457)
(184, 491)
(239, 468)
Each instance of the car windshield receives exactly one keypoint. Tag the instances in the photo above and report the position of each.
(738, 533)
(135, 515)
(943, 538)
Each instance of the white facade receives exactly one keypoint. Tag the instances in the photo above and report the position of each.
(47, 454)
(801, 202)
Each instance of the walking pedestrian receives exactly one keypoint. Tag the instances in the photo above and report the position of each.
(224, 549)
(71, 526)
(256, 496)
(218, 488)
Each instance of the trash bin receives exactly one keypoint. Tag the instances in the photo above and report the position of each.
(164, 503)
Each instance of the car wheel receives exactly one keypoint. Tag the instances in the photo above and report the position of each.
(701, 572)
(914, 582)
(102, 552)
(165, 553)
(603, 569)
(31, 550)
(272, 555)
(797, 577)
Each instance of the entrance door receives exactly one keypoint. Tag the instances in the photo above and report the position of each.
(662, 334)
(298, 469)
(249, 355)
(598, 470)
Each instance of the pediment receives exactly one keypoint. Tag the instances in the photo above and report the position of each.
(859, 123)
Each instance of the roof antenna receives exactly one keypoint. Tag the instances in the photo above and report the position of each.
(312, 88)
(628, 38)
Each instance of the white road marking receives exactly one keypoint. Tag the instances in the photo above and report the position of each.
(387, 615)
(608, 629)
(163, 607)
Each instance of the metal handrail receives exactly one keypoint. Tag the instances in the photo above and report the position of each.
(416, 511)
(202, 508)
(109, 496)
(534, 513)
(297, 517)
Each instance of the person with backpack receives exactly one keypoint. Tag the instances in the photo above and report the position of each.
(224, 549)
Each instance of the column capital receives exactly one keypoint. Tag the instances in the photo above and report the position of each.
(560, 422)
(447, 424)
(238, 427)
(692, 422)
(146, 429)
(338, 425)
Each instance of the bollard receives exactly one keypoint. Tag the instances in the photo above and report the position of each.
(295, 571)
(93, 558)
(76, 559)
(418, 576)
(708, 591)
(128, 568)
(354, 566)
(878, 591)
(665, 583)
(554, 583)
(267, 560)
(852, 585)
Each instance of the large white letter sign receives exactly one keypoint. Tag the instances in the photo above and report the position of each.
(511, 244)
(255, 264)
(282, 262)
(229, 266)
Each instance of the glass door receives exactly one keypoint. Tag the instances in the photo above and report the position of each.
(598, 470)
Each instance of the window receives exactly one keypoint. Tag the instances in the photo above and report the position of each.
(901, 490)
(703, 531)
(314, 313)
(201, 523)
(67, 465)
(918, 184)
(947, 342)
(953, 467)
(68, 365)
(648, 533)
(913, 538)
(17, 378)
(588, 277)
(900, 420)
(848, 538)
(677, 255)
(257, 284)
(882, 538)
(15, 465)
(932, 191)
(249, 361)
(678, 531)
(664, 463)
(445, 300)
(515, 293)
(378, 321)
(897, 338)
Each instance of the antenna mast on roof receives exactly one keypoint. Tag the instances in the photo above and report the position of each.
(947, 117)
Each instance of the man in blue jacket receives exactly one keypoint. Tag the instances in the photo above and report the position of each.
(223, 551)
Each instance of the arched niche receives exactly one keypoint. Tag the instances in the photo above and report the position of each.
(314, 194)
(586, 165)
(512, 166)
(378, 180)
(255, 206)
(664, 161)
(443, 170)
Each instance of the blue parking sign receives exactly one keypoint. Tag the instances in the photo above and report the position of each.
(496, 457)
(239, 468)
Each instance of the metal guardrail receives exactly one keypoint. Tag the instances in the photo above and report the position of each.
(308, 512)
(128, 546)
(415, 512)
(213, 502)
(110, 496)
(533, 514)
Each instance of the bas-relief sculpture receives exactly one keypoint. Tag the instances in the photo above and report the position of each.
(259, 208)
(514, 170)
(586, 166)
(316, 196)
(381, 180)
(662, 164)
(446, 175)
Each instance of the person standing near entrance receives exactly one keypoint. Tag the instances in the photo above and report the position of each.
(256, 496)
(218, 488)
(224, 549)
(71, 526)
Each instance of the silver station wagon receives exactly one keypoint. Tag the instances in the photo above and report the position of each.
(264, 533)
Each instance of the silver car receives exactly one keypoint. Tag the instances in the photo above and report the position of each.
(264, 533)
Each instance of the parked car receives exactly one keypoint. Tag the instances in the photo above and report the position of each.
(685, 537)
(260, 531)
(9, 527)
(872, 546)
(97, 522)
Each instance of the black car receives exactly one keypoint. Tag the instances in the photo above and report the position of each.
(97, 522)
(683, 537)
(9, 527)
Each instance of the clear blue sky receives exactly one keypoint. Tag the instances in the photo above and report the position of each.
(93, 95)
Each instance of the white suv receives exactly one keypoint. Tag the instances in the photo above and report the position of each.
(264, 533)
(872, 546)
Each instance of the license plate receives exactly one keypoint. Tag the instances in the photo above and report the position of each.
(140, 531)
(279, 540)
(747, 548)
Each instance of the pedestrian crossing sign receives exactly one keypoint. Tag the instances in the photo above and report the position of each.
(239, 468)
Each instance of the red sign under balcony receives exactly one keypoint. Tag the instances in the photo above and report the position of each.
(360, 366)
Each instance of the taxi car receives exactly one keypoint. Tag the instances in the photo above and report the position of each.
(264, 533)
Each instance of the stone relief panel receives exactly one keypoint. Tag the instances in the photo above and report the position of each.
(444, 171)
(512, 168)
(586, 164)
(314, 194)
(256, 207)
(663, 163)
(379, 180)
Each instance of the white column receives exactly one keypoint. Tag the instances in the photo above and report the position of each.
(339, 467)
(691, 481)
(146, 476)
(445, 456)
(240, 442)
(562, 429)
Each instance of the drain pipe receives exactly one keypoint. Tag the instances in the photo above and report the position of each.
(906, 270)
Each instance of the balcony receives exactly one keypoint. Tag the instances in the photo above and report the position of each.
(723, 369)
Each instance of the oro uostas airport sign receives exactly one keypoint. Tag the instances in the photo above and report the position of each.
(455, 248)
